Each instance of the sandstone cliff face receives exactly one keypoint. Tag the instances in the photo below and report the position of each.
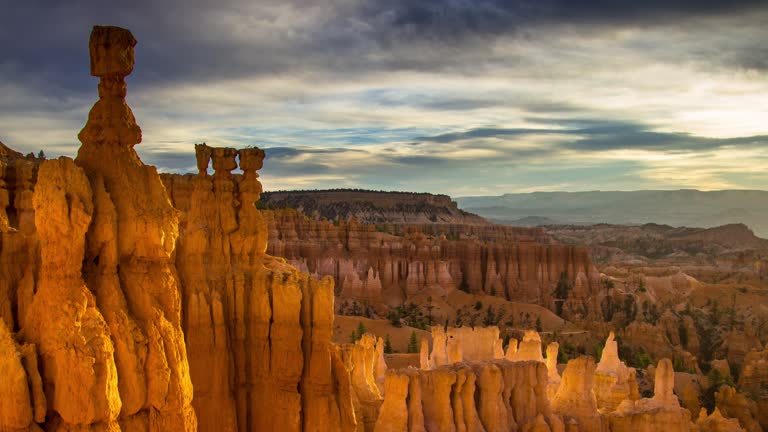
(575, 400)
(365, 364)
(260, 325)
(88, 281)
(258, 331)
(22, 401)
(106, 287)
(382, 268)
(18, 246)
(495, 395)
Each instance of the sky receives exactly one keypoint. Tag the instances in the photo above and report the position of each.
(459, 97)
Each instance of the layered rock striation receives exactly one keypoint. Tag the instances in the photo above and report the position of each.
(372, 264)
(495, 395)
(258, 330)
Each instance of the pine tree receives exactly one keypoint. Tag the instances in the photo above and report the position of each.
(361, 330)
(413, 343)
(388, 345)
(358, 333)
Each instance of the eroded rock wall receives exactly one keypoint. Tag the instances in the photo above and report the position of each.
(495, 395)
(379, 267)
(258, 330)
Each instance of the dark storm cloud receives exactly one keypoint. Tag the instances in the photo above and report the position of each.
(662, 141)
(455, 19)
(46, 41)
(599, 135)
(486, 133)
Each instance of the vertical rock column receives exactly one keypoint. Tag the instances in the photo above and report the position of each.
(130, 244)
(258, 330)
(76, 351)
(203, 260)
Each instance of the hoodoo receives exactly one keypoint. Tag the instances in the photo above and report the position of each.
(133, 301)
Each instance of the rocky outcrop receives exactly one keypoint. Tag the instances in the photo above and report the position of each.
(733, 404)
(529, 348)
(491, 396)
(753, 381)
(18, 239)
(661, 412)
(689, 388)
(738, 343)
(575, 401)
(128, 254)
(77, 354)
(552, 372)
(715, 422)
(653, 340)
(22, 401)
(372, 264)
(459, 344)
(362, 359)
(614, 381)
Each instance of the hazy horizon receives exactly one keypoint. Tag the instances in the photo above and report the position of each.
(459, 98)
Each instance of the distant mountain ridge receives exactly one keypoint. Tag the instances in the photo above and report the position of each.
(374, 207)
(685, 207)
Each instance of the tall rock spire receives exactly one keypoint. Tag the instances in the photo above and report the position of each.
(129, 246)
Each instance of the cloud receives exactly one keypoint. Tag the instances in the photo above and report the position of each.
(447, 96)
(601, 135)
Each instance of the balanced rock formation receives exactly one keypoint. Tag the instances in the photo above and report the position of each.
(98, 314)
(129, 249)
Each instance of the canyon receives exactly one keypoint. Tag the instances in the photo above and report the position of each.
(137, 301)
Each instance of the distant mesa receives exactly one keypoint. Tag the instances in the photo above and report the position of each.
(691, 208)
(531, 221)
(368, 206)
